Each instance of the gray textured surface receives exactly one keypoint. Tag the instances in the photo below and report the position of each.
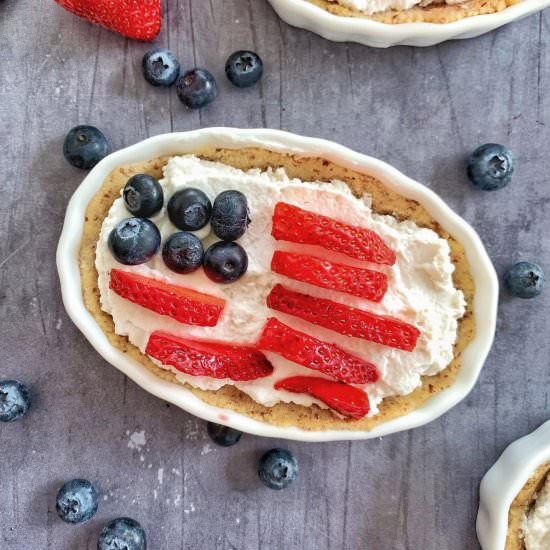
(421, 110)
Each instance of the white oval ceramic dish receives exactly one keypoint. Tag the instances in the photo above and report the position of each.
(485, 303)
(305, 15)
(501, 484)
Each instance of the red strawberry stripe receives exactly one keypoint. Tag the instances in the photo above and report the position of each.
(295, 225)
(140, 19)
(316, 354)
(182, 304)
(364, 283)
(199, 358)
(346, 400)
(343, 319)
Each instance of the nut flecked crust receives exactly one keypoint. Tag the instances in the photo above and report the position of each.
(521, 505)
(384, 201)
(434, 13)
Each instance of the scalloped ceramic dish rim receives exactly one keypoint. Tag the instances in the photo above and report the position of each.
(485, 301)
(504, 480)
(342, 28)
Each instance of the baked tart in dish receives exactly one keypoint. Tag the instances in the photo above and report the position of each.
(514, 508)
(529, 516)
(386, 23)
(339, 304)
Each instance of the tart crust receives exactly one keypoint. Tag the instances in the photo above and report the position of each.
(434, 13)
(384, 201)
(521, 505)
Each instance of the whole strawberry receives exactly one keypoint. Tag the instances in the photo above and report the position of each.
(139, 19)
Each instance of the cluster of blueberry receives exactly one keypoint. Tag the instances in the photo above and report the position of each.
(197, 87)
(77, 502)
(491, 167)
(136, 240)
(85, 145)
(277, 467)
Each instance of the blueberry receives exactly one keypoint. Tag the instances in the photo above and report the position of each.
(85, 146)
(143, 196)
(244, 68)
(122, 534)
(160, 67)
(189, 209)
(76, 501)
(491, 167)
(524, 280)
(225, 262)
(222, 435)
(196, 88)
(278, 468)
(230, 218)
(134, 241)
(182, 252)
(15, 400)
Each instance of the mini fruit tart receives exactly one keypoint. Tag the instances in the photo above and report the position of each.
(514, 511)
(385, 23)
(282, 286)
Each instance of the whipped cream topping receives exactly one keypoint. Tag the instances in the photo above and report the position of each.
(536, 528)
(421, 290)
(368, 7)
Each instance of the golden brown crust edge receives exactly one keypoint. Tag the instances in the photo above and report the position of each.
(521, 504)
(384, 201)
(435, 13)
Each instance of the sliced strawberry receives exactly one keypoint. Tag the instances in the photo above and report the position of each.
(344, 319)
(364, 283)
(140, 19)
(295, 225)
(199, 358)
(182, 304)
(315, 354)
(346, 400)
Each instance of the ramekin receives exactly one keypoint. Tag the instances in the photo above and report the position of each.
(485, 301)
(502, 483)
(305, 15)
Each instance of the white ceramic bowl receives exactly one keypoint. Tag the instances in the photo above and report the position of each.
(485, 303)
(304, 14)
(501, 484)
